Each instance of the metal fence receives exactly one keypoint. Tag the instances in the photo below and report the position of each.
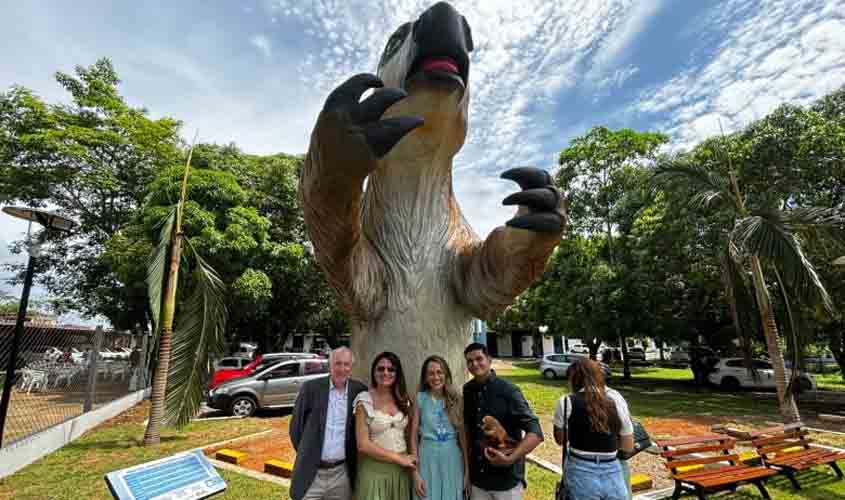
(61, 372)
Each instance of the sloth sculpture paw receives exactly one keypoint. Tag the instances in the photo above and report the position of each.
(365, 116)
(540, 196)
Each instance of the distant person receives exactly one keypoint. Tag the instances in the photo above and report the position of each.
(438, 436)
(594, 426)
(323, 434)
(135, 358)
(382, 418)
(494, 474)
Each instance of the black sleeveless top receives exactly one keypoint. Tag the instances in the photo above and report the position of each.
(580, 432)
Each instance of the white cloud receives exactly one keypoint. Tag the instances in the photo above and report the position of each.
(262, 43)
(613, 47)
(781, 51)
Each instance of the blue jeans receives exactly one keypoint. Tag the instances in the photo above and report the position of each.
(591, 481)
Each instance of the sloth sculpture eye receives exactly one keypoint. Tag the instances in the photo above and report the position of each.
(394, 43)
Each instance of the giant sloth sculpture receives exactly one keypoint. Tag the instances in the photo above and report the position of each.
(378, 202)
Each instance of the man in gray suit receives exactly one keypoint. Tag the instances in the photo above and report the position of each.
(323, 433)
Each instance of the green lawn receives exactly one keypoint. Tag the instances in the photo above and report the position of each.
(76, 471)
(830, 380)
(652, 392)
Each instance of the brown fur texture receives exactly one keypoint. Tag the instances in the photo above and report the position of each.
(494, 432)
(404, 263)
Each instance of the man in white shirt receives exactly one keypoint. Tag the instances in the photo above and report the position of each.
(323, 434)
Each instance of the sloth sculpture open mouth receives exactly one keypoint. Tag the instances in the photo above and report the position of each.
(438, 68)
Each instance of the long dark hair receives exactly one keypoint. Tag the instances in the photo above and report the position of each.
(586, 374)
(399, 389)
(451, 397)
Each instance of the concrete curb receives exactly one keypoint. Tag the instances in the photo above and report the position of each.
(545, 464)
(261, 476)
(233, 440)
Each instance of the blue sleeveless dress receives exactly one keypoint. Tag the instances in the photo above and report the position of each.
(441, 463)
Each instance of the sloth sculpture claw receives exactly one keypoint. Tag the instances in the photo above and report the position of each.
(539, 196)
(380, 135)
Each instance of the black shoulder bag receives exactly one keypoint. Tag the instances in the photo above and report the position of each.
(560, 489)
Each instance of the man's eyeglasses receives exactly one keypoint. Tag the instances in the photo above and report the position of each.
(388, 369)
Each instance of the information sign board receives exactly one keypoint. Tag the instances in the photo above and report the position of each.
(185, 476)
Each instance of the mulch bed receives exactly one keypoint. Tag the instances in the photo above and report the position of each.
(272, 445)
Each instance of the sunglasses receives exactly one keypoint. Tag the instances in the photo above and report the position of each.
(388, 369)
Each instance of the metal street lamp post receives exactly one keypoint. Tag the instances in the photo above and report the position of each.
(50, 221)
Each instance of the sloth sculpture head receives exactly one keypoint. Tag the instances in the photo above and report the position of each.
(429, 58)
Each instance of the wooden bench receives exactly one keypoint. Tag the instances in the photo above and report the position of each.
(787, 449)
(715, 475)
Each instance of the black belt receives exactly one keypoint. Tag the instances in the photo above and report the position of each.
(331, 465)
(594, 458)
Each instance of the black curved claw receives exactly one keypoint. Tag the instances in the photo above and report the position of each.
(383, 135)
(374, 106)
(349, 92)
(541, 222)
(544, 198)
(528, 177)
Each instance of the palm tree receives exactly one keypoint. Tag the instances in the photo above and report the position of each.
(199, 331)
(763, 239)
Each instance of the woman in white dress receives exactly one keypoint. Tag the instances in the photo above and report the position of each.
(381, 425)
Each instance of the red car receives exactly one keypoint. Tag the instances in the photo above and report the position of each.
(223, 374)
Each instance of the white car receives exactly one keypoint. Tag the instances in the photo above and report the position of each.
(579, 350)
(731, 374)
(556, 365)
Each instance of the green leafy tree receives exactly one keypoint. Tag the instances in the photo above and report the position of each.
(93, 159)
(761, 234)
(599, 172)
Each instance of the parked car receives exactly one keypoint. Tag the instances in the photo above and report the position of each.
(640, 354)
(730, 374)
(275, 386)
(232, 363)
(224, 373)
(580, 350)
(679, 356)
(556, 365)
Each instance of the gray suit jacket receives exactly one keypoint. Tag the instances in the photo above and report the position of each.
(308, 429)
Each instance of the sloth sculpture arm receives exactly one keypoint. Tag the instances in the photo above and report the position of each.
(346, 146)
(513, 256)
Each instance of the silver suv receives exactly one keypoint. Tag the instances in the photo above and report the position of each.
(273, 387)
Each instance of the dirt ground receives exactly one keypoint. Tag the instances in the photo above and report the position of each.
(34, 412)
(273, 445)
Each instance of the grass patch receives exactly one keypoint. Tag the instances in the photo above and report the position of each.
(652, 392)
(830, 380)
(77, 470)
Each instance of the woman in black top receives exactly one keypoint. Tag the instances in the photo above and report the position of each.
(594, 425)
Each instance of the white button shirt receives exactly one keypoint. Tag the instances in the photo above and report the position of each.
(334, 441)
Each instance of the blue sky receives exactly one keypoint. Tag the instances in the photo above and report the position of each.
(543, 72)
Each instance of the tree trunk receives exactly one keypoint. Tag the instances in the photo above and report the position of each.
(788, 408)
(836, 342)
(593, 345)
(153, 432)
(626, 362)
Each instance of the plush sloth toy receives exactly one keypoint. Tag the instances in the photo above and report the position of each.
(376, 192)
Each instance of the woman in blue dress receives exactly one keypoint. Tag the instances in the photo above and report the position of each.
(438, 439)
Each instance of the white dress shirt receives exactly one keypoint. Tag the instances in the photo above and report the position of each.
(334, 441)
